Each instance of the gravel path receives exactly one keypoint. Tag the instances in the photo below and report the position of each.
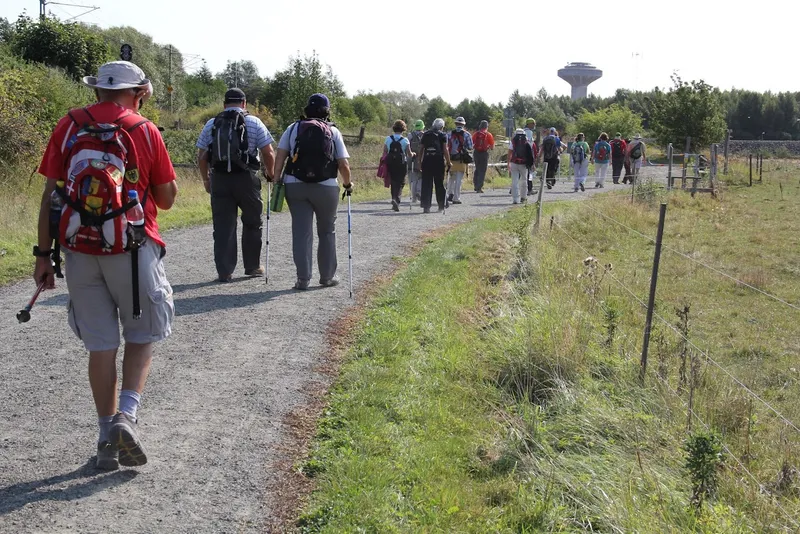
(240, 359)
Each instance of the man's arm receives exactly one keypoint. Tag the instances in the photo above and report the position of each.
(268, 160)
(164, 194)
(44, 268)
(202, 165)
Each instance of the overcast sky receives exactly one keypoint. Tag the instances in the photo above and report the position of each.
(466, 49)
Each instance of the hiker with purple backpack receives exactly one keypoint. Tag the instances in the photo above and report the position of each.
(314, 153)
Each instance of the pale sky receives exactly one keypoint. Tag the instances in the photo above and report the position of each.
(465, 49)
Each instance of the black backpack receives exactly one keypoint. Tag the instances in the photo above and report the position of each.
(636, 151)
(313, 159)
(432, 144)
(228, 151)
(522, 151)
(550, 147)
(396, 156)
(616, 149)
(578, 153)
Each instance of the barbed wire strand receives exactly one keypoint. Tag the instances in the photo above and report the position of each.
(698, 262)
(705, 354)
(690, 410)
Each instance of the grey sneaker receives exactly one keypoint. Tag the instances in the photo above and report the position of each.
(332, 282)
(126, 440)
(301, 284)
(107, 457)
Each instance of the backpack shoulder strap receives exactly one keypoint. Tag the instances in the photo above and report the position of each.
(81, 117)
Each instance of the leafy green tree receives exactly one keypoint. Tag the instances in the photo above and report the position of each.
(239, 74)
(69, 46)
(202, 89)
(6, 30)
(403, 104)
(437, 108)
(689, 109)
(287, 92)
(612, 119)
(523, 105)
(369, 109)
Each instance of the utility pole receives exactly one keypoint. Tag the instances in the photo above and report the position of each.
(169, 79)
(42, 7)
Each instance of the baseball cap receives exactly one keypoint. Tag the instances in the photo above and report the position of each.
(618, 134)
(530, 120)
(519, 131)
(552, 130)
(460, 120)
(117, 75)
(318, 100)
(234, 95)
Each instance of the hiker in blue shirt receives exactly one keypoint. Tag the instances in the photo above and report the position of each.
(397, 150)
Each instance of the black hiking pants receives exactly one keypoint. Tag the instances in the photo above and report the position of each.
(397, 177)
(552, 169)
(481, 164)
(616, 168)
(432, 175)
(231, 192)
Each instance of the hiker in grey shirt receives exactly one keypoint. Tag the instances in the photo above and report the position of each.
(312, 189)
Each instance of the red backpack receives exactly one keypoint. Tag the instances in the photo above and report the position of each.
(101, 166)
(481, 141)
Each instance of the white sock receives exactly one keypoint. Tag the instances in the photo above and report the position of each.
(129, 401)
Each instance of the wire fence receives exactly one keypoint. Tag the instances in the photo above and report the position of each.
(786, 422)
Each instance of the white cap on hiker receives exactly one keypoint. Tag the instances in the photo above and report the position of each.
(117, 75)
(552, 130)
(519, 131)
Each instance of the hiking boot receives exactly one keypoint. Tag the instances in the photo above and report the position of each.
(124, 437)
(331, 282)
(440, 210)
(107, 457)
(225, 278)
(301, 284)
(426, 210)
(456, 202)
(549, 186)
(255, 272)
(583, 188)
(395, 206)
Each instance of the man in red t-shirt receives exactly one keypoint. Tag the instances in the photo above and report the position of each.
(100, 285)
(483, 141)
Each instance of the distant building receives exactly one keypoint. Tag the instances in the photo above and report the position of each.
(579, 76)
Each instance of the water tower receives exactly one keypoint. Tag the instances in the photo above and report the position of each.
(579, 76)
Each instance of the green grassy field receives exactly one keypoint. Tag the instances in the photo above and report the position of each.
(20, 203)
(507, 398)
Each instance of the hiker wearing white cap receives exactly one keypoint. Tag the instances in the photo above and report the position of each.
(520, 160)
(459, 145)
(127, 186)
(636, 154)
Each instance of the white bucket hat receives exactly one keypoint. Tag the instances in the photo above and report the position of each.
(118, 75)
(637, 136)
(460, 120)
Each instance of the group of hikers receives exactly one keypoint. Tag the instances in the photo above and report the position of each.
(427, 157)
(108, 173)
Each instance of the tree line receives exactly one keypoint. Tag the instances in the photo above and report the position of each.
(685, 109)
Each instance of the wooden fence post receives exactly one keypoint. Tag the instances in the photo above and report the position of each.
(651, 303)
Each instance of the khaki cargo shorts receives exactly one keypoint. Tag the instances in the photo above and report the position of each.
(101, 298)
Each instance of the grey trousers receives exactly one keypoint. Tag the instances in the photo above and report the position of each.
(481, 164)
(230, 193)
(305, 201)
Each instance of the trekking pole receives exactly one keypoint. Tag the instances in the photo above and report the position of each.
(24, 315)
(269, 206)
(350, 242)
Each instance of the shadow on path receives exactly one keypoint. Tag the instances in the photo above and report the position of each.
(19, 495)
